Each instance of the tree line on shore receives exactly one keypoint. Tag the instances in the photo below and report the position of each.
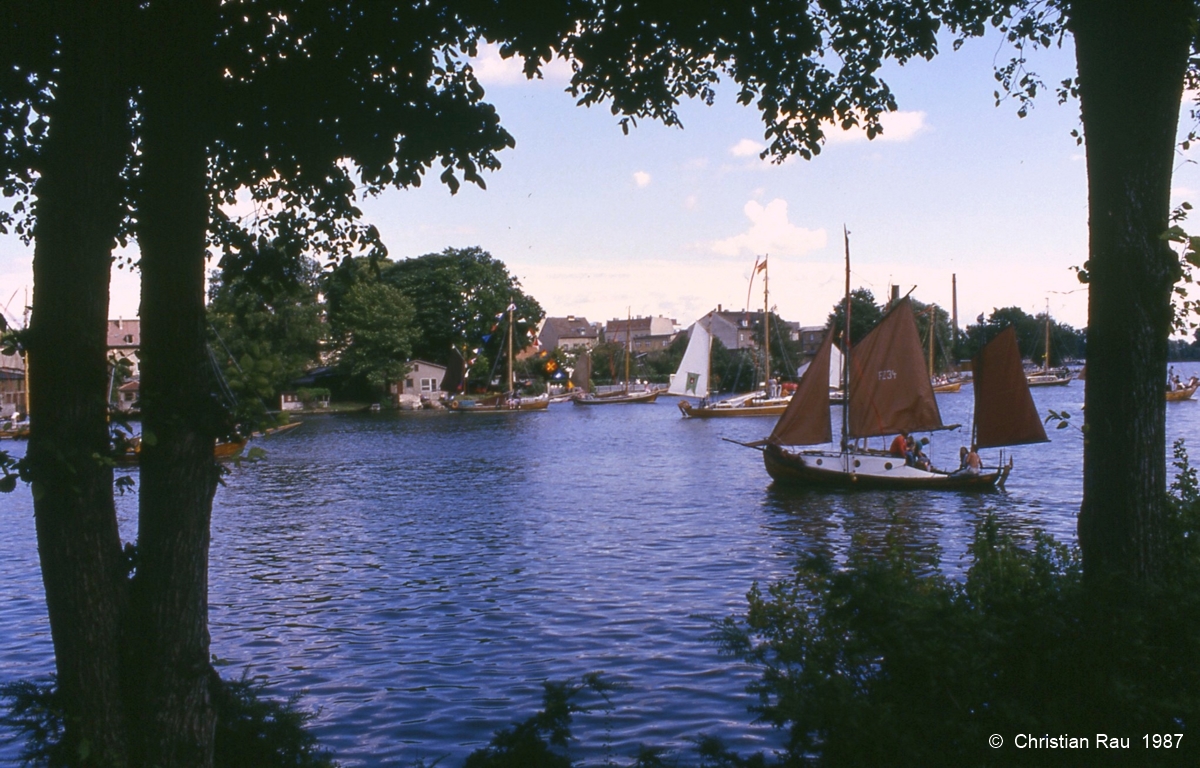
(276, 315)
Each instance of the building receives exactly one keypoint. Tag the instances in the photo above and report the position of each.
(424, 379)
(12, 385)
(127, 396)
(568, 333)
(124, 341)
(648, 334)
(733, 329)
(810, 338)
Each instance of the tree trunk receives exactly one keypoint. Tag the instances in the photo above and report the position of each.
(169, 600)
(79, 209)
(1131, 60)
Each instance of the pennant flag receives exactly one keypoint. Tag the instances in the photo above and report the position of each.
(761, 266)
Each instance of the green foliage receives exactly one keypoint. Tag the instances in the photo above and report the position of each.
(1065, 341)
(880, 663)
(372, 324)
(460, 296)
(865, 314)
(253, 730)
(541, 740)
(265, 320)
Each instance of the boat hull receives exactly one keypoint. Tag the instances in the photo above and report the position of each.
(1048, 380)
(953, 386)
(1177, 395)
(868, 471)
(617, 399)
(690, 411)
(499, 405)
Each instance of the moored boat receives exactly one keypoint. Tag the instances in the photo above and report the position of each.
(694, 374)
(889, 393)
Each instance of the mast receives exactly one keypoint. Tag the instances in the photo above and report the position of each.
(846, 344)
(1046, 360)
(510, 344)
(25, 355)
(932, 317)
(954, 311)
(766, 330)
(628, 343)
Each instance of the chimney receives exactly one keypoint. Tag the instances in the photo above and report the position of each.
(718, 307)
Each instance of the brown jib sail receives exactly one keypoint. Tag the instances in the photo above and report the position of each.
(1004, 409)
(806, 420)
(890, 391)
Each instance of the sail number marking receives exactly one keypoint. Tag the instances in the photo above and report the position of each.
(887, 374)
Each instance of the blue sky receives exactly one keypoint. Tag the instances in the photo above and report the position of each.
(669, 221)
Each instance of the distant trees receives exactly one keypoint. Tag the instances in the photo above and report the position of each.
(865, 314)
(460, 298)
(264, 313)
(1066, 343)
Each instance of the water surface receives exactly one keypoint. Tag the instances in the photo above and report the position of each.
(417, 576)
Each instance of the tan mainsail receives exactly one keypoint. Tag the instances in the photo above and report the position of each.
(890, 391)
(806, 420)
(1004, 409)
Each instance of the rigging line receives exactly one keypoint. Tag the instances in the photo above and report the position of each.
(222, 382)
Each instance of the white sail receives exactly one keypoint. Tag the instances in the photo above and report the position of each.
(691, 380)
(835, 368)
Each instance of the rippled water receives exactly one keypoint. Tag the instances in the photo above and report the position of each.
(417, 576)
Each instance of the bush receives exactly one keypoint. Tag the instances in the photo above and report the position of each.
(253, 731)
(877, 664)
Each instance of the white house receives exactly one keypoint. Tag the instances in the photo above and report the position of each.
(424, 379)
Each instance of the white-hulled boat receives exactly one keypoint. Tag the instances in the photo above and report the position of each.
(889, 393)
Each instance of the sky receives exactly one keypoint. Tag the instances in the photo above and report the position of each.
(669, 221)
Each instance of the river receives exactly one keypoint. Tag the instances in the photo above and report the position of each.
(416, 576)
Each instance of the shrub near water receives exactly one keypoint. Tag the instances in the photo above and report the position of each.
(878, 665)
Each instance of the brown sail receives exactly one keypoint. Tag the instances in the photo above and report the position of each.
(806, 420)
(1004, 409)
(581, 377)
(890, 391)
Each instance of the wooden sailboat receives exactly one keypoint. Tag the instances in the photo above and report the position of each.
(760, 403)
(940, 383)
(889, 393)
(1046, 377)
(509, 400)
(625, 396)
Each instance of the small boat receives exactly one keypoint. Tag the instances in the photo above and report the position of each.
(269, 431)
(1047, 377)
(224, 450)
(1179, 395)
(889, 393)
(615, 398)
(1178, 392)
(695, 372)
(626, 396)
(14, 430)
(508, 401)
(947, 386)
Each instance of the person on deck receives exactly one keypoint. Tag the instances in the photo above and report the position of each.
(974, 463)
(899, 447)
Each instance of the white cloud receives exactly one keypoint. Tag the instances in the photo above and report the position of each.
(746, 148)
(771, 232)
(493, 70)
(897, 126)
(690, 202)
(641, 178)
